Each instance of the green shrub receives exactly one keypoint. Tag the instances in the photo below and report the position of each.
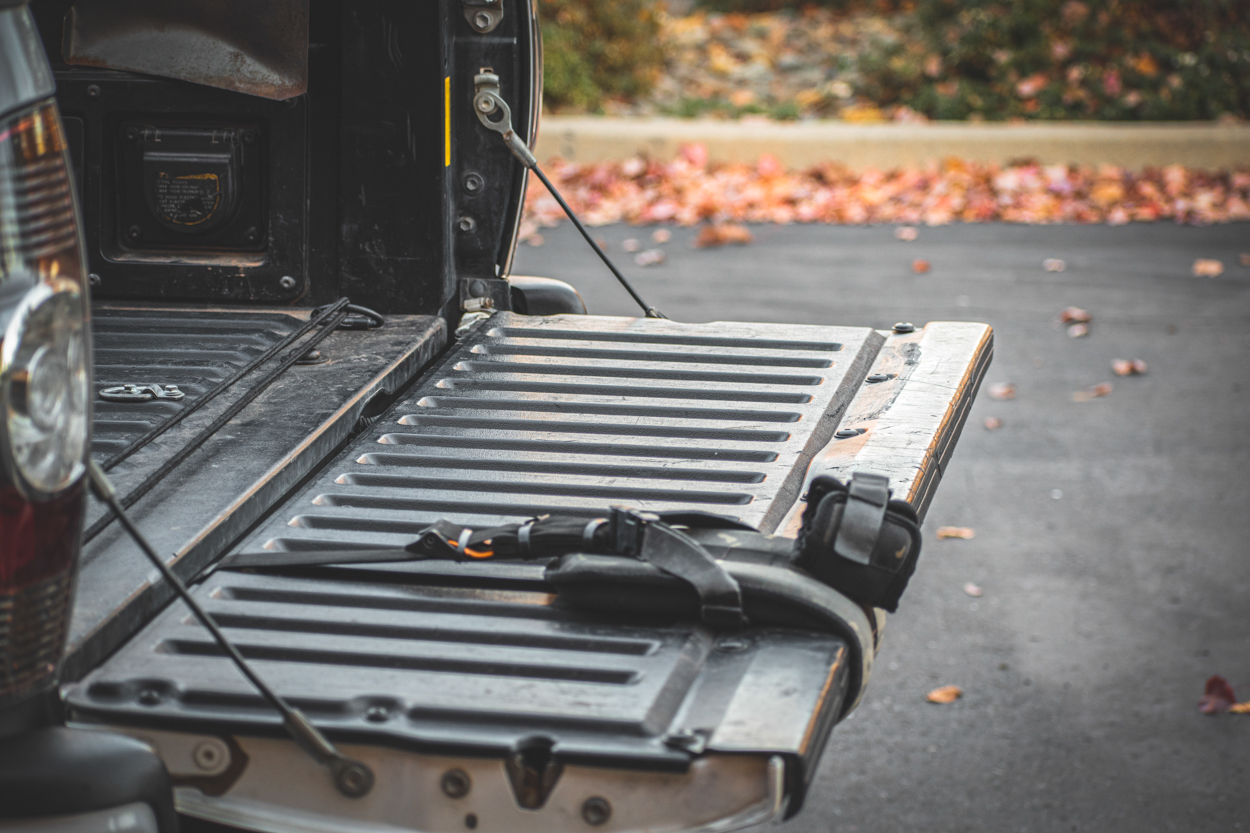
(598, 49)
(1064, 59)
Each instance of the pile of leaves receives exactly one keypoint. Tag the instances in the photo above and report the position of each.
(784, 65)
(689, 190)
(938, 59)
(1066, 59)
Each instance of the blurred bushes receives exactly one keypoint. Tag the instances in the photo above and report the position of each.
(597, 49)
(1066, 59)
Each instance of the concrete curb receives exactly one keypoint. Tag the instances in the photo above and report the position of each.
(802, 144)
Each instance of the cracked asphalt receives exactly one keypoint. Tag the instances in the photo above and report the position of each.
(1112, 536)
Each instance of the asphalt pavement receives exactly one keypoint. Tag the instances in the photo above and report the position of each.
(1112, 535)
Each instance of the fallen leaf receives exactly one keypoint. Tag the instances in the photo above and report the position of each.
(1128, 367)
(993, 423)
(1240, 708)
(945, 694)
(650, 257)
(631, 244)
(602, 244)
(718, 234)
(661, 235)
(1100, 389)
(1217, 697)
(535, 239)
(1003, 390)
(1054, 264)
(1078, 330)
(920, 266)
(1244, 258)
(972, 590)
(1075, 315)
(906, 233)
(956, 532)
(1206, 268)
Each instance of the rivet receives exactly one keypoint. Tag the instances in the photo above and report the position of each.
(93, 280)
(251, 235)
(374, 714)
(93, 91)
(286, 281)
(134, 232)
(596, 811)
(207, 755)
(455, 783)
(904, 327)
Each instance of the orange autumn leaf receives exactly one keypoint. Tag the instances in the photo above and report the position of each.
(956, 532)
(1098, 390)
(1240, 708)
(1003, 390)
(1206, 268)
(945, 694)
(1128, 367)
(920, 266)
(1075, 315)
(721, 233)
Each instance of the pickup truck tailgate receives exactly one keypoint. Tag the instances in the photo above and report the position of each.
(427, 668)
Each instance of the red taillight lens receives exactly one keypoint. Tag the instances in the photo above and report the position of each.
(44, 398)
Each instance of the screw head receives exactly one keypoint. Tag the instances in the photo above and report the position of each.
(375, 714)
(596, 811)
(93, 91)
(93, 280)
(353, 779)
(456, 783)
(847, 433)
(150, 697)
(134, 232)
(904, 327)
(467, 224)
(287, 282)
(251, 235)
(877, 377)
(481, 21)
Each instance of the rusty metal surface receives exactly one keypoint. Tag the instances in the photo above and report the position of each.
(255, 48)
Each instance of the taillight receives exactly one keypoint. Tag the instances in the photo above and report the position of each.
(44, 397)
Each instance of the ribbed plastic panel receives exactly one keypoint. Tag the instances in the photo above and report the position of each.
(572, 414)
(32, 632)
(193, 349)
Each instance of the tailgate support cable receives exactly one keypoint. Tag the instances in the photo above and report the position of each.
(332, 317)
(493, 112)
(352, 778)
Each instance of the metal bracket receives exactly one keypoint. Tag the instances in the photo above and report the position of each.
(494, 114)
(483, 15)
(141, 393)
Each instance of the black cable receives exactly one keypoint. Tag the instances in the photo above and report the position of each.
(318, 315)
(649, 311)
(353, 778)
(335, 318)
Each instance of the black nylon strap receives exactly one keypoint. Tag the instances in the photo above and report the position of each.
(862, 518)
(719, 595)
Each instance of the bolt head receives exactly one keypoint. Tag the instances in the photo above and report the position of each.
(877, 377)
(473, 183)
(481, 21)
(596, 811)
(904, 327)
(466, 224)
(376, 714)
(93, 91)
(456, 783)
(847, 433)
